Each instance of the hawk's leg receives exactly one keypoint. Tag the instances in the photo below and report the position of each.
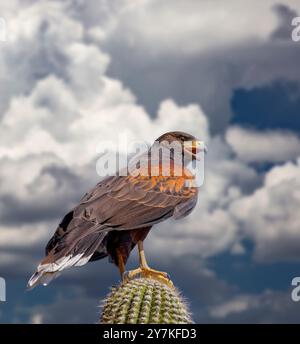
(121, 264)
(145, 271)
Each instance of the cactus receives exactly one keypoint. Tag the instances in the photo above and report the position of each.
(144, 301)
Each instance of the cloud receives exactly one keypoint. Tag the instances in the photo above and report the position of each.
(237, 305)
(270, 214)
(266, 307)
(199, 63)
(187, 28)
(263, 146)
(26, 60)
(285, 16)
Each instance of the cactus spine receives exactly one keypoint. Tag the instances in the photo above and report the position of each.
(144, 301)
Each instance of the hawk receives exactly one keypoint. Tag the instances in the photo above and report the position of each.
(118, 213)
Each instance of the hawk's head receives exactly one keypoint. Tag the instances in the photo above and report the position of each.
(189, 143)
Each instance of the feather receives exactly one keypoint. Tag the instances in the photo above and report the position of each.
(79, 255)
(41, 278)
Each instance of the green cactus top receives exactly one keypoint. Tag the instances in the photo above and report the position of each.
(144, 301)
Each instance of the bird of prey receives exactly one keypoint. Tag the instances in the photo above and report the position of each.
(118, 213)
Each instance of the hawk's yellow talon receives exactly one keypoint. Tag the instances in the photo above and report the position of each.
(144, 271)
(141, 272)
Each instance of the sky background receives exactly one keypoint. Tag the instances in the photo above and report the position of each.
(73, 73)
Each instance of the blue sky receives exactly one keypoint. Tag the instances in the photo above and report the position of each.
(75, 73)
(276, 106)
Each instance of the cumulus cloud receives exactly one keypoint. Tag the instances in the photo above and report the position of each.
(186, 28)
(263, 146)
(270, 215)
(195, 61)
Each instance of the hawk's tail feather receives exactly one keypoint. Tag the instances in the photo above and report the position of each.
(77, 255)
(41, 277)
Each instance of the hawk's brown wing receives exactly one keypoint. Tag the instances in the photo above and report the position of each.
(116, 203)
(135, 202)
